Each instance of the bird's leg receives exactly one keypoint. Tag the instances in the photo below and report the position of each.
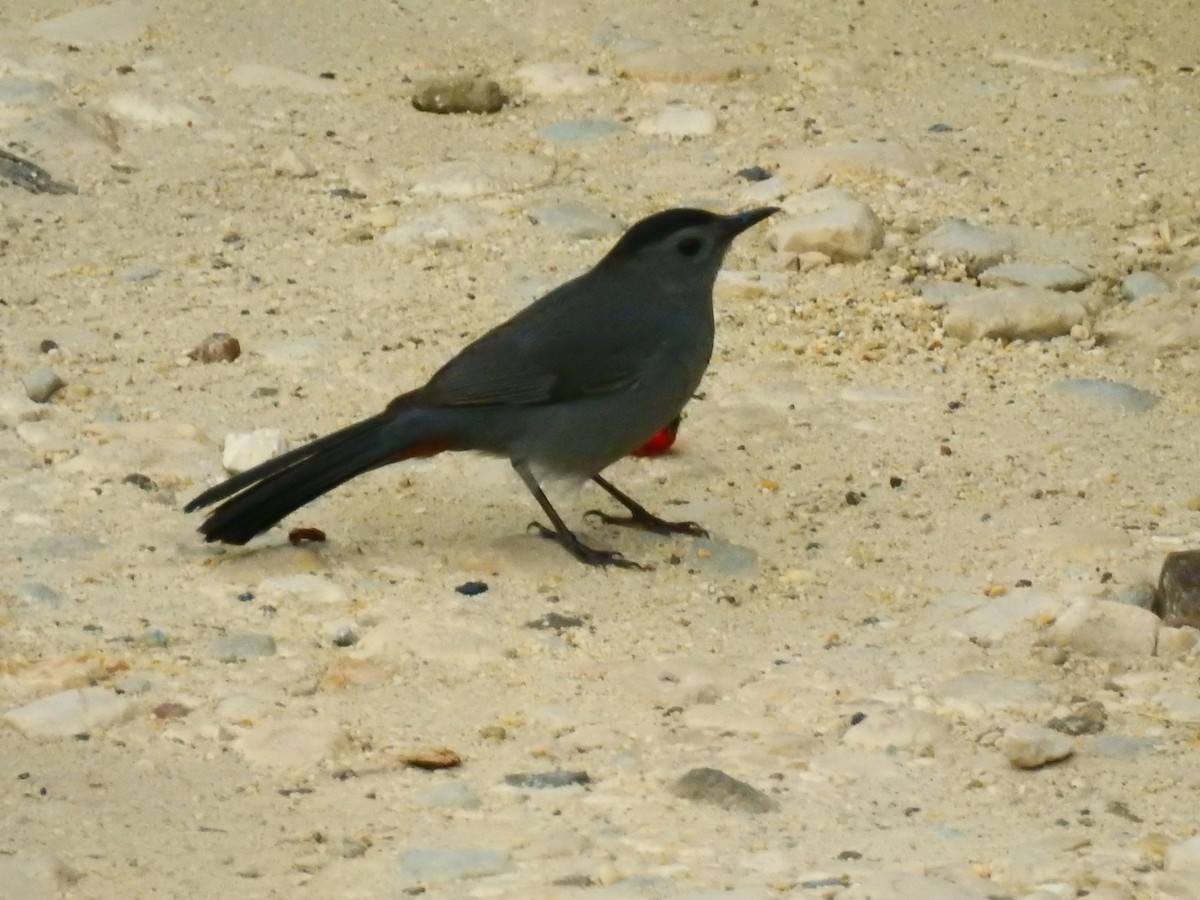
(562, 535)
(639, 516)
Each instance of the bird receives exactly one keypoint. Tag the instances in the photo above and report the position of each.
(578, 379)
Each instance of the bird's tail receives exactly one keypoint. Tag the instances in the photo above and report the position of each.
(258, 498)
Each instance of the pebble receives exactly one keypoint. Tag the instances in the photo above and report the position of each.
(1177, 641)
(889, 729)
(217, 347)
(472, 588)
(244, 450)
(140, 273)
(1177, 600)
(575, 130)
(1105, 628)
(979, 247)
(39, 595)
(447, 226)
(829, 221)
(558, 79)
(1032, 746)
(1011, 314)
(1059, 277)
(442, 864)
(111, 23)
(42, 384)
(541, 780)
(23, 92)
(1089, 717)
(712, 786)
(69, 713)
(459, 95)
(680, 122)
(233, 648)
(575, 221)
(498, 174)
(1182, 707)
(303, 587)
(1140, 285)
(1112, 395)
(290, 163)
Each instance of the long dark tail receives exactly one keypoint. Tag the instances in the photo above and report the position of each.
(260, 497)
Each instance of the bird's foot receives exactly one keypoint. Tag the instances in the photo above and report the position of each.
(591, 556)
(647, 521)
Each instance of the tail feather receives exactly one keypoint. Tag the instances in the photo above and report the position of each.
(260, 497)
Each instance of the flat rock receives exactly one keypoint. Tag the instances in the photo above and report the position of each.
(499, 174)
(1139, 285)
(1183, 856)
(557, 79)
(679, 122)
(976, 694)
(575, 221)
(1156, 323)
(1012, 314)
(69, 712)
(1057, 277)
(889, 729)
(828, 221)
(24, 877)
(712, 786)
(446, 226)
(575, 130)
(111, 23)
(297, 745)
(1112, 395)
(443, 864)
(232, 648)
(1032, 746)
(151, 111)
(1106, 628)
(978, 246)
(244, 450)
(300, 588)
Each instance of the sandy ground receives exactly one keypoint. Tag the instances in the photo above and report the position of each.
(900, 519)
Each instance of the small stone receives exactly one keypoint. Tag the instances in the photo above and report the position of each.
(554, 621)
(1141, 595)
(979, 247)
(233, 648)
(1178, 598)
(1107, 394)
(1011, 314)
(1089, 717)
(579, 130)
(1179, 641)
(1106, 628)
(558, 79)
(920, 733)
(217, 347)
(302, 588)
(345, 636)
(1059, 277)
(446, 226)
(753, 174)
(535, 781)
(35, 594)
(1031, 746)
(1140, 285)
(292, 164)
(440, 864)
(153, 637)
(140, 273)
(69, 713)
(679, 122)
(433, 759)
(575, 221)
(472, 588)
(498, 173)
(460, 95)
(246, 449)
(42, 384)
(829, 221)
(712, 786)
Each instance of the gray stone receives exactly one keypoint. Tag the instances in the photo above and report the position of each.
(69, 713)
(1108, 394)
(42, 384)
(232, 648)
(36, 594)
(542, 780)
(140, 273)
(575, 221)
(20, 92)
(1143, 284)
(1032, 746)
(112, 23)
(446, 226)
(679, 122)
(1106, 628)
(814, 166)
(1057, 277)
(449, 795)
(979, 247)
(579, 130)
(437, 864)
(1012, 314)
(976, 694)
(712, 786)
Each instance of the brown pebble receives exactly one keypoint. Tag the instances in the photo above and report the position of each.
(1177, 601)
(298, 536)
(217, 347)
(460, 95)
(170, 711)
(435, 758)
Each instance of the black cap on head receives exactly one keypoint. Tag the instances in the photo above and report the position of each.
(655, 228)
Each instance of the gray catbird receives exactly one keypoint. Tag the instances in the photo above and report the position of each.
(566, 387)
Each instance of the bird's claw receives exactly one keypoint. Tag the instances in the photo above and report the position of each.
(651, 523)
(592, 556)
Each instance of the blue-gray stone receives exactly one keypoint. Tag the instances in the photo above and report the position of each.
(1143, 284)
(447, 865)
(1113, 395)
(38, 595)
(237, 647)
(575, 221)
(141, 273)
(579, 130)
(449, 795)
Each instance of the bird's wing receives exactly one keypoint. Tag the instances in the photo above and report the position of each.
(551, 352)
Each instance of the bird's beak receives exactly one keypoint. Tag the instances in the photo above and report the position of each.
(739, 222)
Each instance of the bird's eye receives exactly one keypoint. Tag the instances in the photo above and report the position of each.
(690, 246)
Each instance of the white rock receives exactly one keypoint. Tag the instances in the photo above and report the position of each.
(292, 164)
(557, 79)
(301, 588)
(246, 449)
(888, 729)
(978, 246)
(976, 694)
(1106, 628)
(828, 221)
(150, 112)
(768, 191)
(1180, 706)
(575, 221)
(1032, 746)
(295, 745)
(112, 23)
(69, 712)
(991, 620)
(495, 174)
(447, 226)
(680, 121)
(1143, 284)
(1157, 323)
(1011, 314)
(1184, 856)
(1058, 277)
